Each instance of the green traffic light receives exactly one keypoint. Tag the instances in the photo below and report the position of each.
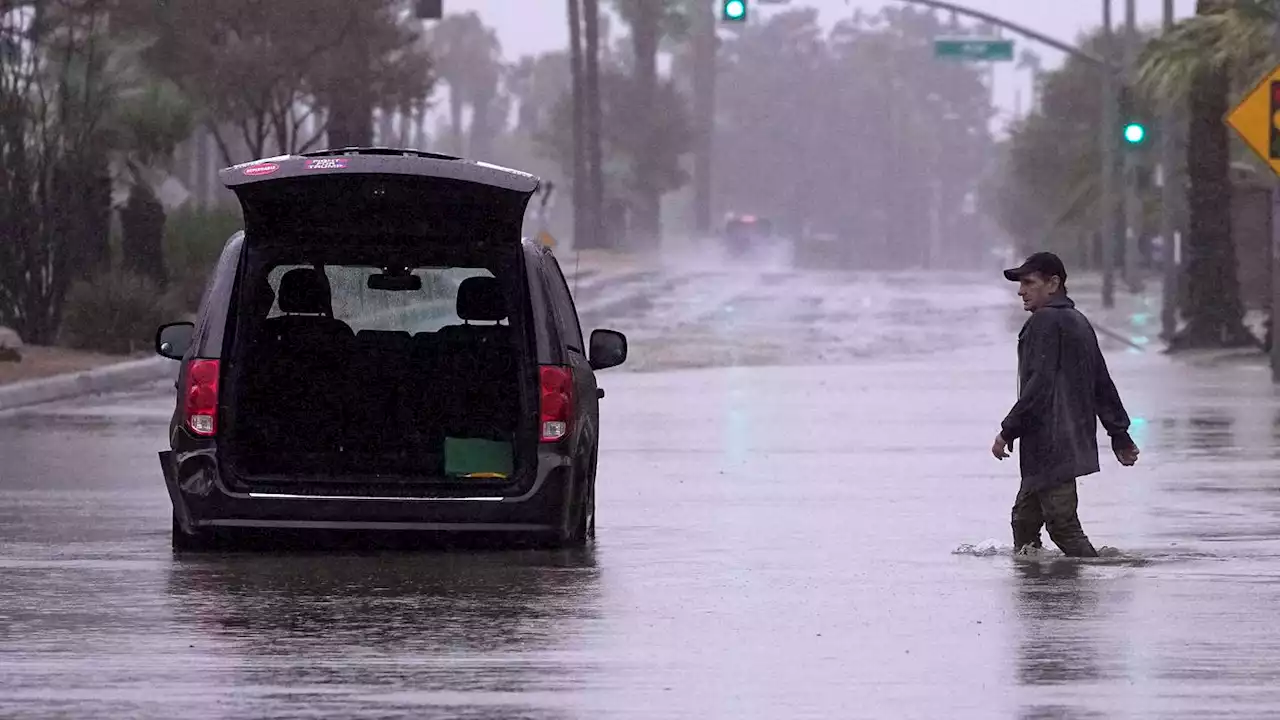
(1134, 133)
(735, 9)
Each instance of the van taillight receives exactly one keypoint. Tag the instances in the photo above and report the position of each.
(556, 403)
(200, 398)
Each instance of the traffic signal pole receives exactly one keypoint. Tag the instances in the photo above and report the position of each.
(1107, 198)
(1109, 134)
(1022, 30)
(1170, 199)
(1132, 203)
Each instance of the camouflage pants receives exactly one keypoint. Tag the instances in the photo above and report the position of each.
(1055, 508)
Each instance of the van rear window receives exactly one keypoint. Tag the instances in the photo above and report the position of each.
(427, 308)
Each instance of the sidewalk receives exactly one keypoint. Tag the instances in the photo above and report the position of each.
(1135, 319)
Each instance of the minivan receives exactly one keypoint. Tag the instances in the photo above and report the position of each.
(381, 349)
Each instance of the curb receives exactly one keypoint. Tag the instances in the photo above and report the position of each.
(109, 378)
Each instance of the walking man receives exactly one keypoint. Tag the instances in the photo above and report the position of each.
(1064, 389)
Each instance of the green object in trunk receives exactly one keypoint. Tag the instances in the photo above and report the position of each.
(477, 458)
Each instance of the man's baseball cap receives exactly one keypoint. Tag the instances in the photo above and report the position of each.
(1045, 263)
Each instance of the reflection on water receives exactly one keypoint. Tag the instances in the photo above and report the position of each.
(405, 629)
(1210, 430)
(1057, 712)
(1056, 607)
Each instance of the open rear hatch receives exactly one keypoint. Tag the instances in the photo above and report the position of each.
(383, 342)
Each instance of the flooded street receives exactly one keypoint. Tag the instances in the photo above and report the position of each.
(798, 516)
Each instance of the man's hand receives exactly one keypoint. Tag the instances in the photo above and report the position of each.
(1125, 448)
(1000, 447)
(1127, 455)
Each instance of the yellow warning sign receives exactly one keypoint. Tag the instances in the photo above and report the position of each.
(1257, 119)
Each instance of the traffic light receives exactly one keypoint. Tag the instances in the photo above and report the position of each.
(429, 9)
(733, 10)
(1133, 129)
(1275, 120)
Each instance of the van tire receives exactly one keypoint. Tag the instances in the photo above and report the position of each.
(584, 530)
(577, 523)
(182, 541)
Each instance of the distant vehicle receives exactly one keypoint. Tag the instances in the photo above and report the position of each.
(381, 350)
(744, 233)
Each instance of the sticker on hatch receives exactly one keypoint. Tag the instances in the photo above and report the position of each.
(326, 163)
(263, 169)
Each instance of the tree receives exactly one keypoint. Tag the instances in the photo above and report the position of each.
(286, 74)
(149, 119)
(703, 42)
(374, 60)
(538, 83)
(649, 21)
(56, 88)
(626, 136)
(468, 57)
(1049, 194)
(859, 132)
(1196, 62)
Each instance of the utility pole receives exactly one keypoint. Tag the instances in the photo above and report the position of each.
(1170, 199)
(704, 111)
(1275, 249)
(1132, 203)
(1107, 200)
(592, 121)
(581, 236)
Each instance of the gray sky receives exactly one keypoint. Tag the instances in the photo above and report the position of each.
(534, 26)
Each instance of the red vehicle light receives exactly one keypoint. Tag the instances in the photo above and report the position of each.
(200, 398)
(555, 406)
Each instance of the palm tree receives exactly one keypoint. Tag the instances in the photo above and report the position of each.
(1197, 61)
(538, 83)
(645, 18)
(468, 58)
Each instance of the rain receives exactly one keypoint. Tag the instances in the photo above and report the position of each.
(795, 509)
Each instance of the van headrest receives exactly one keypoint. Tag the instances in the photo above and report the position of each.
(480, 299)
(302, 290)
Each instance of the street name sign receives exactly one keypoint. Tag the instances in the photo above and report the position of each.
(973, 48)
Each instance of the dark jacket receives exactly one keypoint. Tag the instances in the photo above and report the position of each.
(1063, 390)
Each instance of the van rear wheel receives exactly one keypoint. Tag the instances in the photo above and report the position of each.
(578, 523)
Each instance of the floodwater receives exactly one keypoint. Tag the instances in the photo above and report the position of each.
(826, 537)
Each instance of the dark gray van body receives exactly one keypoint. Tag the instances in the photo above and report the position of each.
(551, 494)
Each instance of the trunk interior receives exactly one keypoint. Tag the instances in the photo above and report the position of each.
(394, 395)
(382, 339)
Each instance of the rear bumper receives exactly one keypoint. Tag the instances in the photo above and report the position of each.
(201, 500)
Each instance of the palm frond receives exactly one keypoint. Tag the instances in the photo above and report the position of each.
(1240, 36)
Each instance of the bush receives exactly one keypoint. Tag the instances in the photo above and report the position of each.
(116, 312)
(193, 240)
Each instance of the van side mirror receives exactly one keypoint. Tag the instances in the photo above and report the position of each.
(608, 349)
(174, 339)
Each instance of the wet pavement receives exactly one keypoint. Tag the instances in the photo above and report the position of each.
(817, 530)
